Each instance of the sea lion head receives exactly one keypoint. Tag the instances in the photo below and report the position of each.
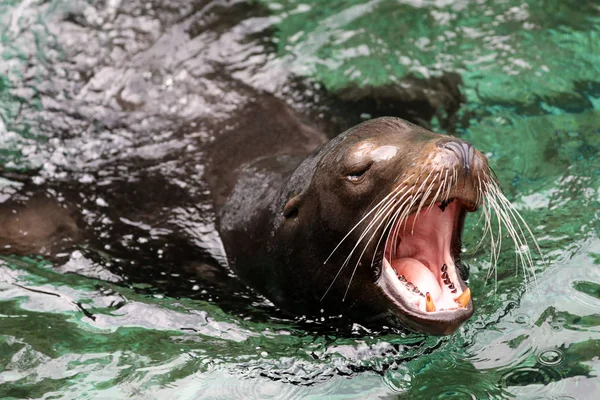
(378, 226)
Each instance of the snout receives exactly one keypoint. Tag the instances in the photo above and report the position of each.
(464, 152)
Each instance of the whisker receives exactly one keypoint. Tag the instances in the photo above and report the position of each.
(363, 218)
(375, 218)
(412, 199)
(482, 196)
(393, 223)
(518, 219)
(450, 184)
(367, 245)
(423, 200)
(435, 197)
(382, 220)
(415, 198)
(388, 204)
(519, 240)
(392, 213)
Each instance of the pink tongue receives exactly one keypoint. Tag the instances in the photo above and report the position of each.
(414, 271)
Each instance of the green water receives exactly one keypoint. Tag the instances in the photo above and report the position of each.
(532, 85)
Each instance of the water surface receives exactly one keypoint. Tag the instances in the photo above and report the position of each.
(98, 101)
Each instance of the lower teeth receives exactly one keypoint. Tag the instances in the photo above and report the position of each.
(462, 300)
(410, 286)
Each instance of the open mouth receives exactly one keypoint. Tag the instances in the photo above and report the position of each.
(419, 269)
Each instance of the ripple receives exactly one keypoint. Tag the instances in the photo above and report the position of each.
(220, 385)
(550, 357)
(556, 327)
(261, 389)
(458, 394)
(587, 294)
(533, 381)
(399, 380)
(590, 288)
(445, 363)
(524, 376)
(509, 350)
(522, 319)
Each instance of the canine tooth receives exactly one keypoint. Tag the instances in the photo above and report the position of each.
(429, 304)
(444, 268)
(464, 298)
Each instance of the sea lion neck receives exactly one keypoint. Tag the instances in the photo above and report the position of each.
(264, 128)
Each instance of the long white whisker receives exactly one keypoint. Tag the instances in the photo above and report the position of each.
(395, 225)
(518, 240)
(382, 210)
(516, 216)
(362, 219)
(382, 221)
(423, 200)
(435, 197)
(415, 198)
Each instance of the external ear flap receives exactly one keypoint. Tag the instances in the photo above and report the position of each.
(291, 207)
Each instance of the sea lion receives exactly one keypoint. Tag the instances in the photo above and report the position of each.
(368, 226)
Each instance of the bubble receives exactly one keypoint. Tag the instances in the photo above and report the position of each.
(556, 327)
(550, 357)
(522, 319)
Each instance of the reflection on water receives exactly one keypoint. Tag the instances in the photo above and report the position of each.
(107, 108)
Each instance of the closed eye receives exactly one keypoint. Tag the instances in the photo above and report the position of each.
(357, 174)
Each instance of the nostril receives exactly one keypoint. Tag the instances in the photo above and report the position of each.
(463, 150)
